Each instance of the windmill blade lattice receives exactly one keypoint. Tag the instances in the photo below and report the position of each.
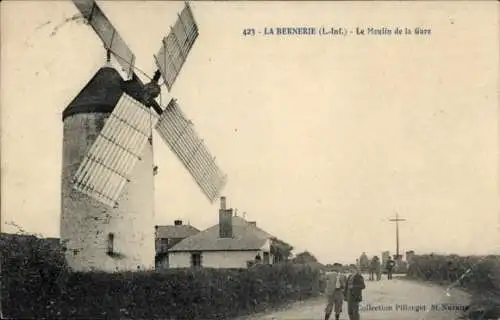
(179, 134)
(105, 168)
(176, 46)
(104, 171)
(106, 31)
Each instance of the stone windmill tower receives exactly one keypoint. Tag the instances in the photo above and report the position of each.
(107, 182)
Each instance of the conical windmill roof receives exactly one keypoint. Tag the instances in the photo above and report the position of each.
(102, 93)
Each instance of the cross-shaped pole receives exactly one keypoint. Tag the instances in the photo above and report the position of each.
(397, 220)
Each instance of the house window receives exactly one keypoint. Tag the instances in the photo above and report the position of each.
(258, 258)
(196, 260)
(266, 257)
(111, 240)
(164, 244)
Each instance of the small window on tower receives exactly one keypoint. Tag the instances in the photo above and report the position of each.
(111, 240)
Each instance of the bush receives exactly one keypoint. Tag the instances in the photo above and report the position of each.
(35, 284)
(476, 273)
(479, 275)
(32, 270)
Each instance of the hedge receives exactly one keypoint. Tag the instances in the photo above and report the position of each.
(35, 284)
(475, 274)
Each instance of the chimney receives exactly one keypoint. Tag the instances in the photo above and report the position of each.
(223, 203)
(178, 222)
(225, 220)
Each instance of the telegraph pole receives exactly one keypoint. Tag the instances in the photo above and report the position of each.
(397, 220)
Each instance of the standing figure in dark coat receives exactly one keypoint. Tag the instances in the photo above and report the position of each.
(373, 268)
(353, 293)
(378, 269)
(390, 267)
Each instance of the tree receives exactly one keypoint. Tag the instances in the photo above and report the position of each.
(280, 250)
(305, 257)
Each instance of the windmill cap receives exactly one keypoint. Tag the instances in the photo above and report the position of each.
(102, 92)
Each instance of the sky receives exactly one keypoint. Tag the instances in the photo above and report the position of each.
(323, 139)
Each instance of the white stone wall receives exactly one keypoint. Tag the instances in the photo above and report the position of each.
(86, 223)
(227, 259)
(267, 246)
(214, 259)
(179, 259)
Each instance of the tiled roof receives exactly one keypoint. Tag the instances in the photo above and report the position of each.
(245, 237)
(181, 231)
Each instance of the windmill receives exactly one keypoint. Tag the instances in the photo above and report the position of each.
(107, 177)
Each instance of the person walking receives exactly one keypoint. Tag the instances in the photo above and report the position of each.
(378, 268)
(373, 268)
(335, 286)
(389, 267)
(353, 293)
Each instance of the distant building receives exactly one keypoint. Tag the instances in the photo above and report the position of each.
(168, 236)
(232, 243)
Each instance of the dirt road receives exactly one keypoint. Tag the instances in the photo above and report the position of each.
(396, 299)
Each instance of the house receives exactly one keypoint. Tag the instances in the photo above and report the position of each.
(168, 236)
(232, 243)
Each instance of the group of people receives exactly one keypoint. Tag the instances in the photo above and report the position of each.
(342, 288)
(375, 268)
(349, 288)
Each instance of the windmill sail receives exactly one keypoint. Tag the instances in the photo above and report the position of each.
(176, 46)
(110, 37)
(105, 168)
(179, 134)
